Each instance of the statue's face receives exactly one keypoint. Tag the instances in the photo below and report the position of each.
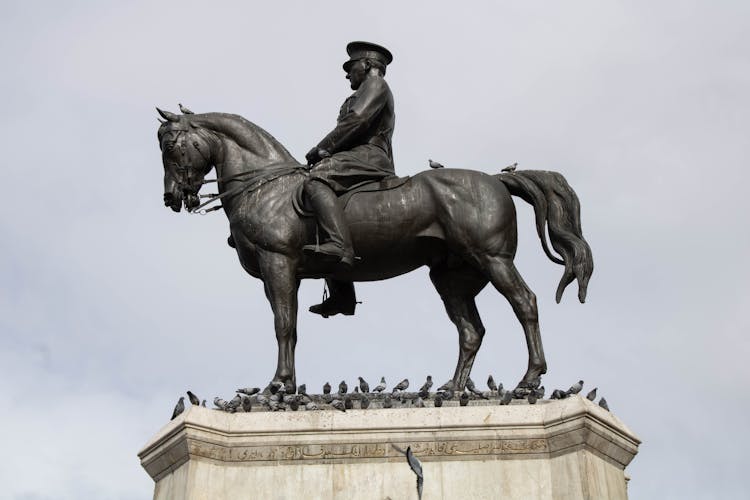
(185, 166)
(357, 74)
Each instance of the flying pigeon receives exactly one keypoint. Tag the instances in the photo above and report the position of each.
(510, 168)
(249, 391)
(591, 395)
(327, 388)
(415, 466)
(363, 386)
(184, 110)
(381, 386)
(178, 408)
(193, 399)
(434, 164)
(491, 383)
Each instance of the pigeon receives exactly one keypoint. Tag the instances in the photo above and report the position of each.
(603, 404)
(401, 386)
(575, 388)
(348, 403)
(447, 394)
(311, 406)
(434, 164)
(246, 405)
(531, 398)
(234, 403)
(184, 110)
(356, 390)
(343, 387)
(294, 404)
(364, 403)
(539, 392)
(178, 408)
(491, 383)
(427, 385)
(446, 386)
(381, 386)
(193, 399)
(415, 466)
(249, 391)
(302, 390)
(274, 405)
(438, 401)
(387, 402)
(275, 387)
(591, 395)
(419, 403)
(464, 398)
(506, 398)
(558, 394)
(203, 403)
(338, 404)
(220, 403)
(262, 399)
(510, 168)
(327, 388)
(473, 388)
(363, 386)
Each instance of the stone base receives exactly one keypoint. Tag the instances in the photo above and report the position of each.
(567, 449)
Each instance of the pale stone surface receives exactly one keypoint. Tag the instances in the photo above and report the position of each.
(568, 449)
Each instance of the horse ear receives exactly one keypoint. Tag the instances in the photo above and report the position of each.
(168, 116)
(162, 121)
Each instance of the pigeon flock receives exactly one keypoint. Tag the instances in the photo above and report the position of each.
(279, 397)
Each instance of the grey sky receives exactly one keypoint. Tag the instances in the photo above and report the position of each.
(111, 306)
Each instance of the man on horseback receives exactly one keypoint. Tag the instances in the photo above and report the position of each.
(357, 151)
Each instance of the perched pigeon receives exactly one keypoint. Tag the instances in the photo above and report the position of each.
(591, 395)
(184, 110)
(446, 386)
(311, 406)
(539, 392)
(381, 386)
(491, 383)
(348, 403)
(401, 386)
(249, 391)
(220, 403)
(510, 168)
(261, 399)
(203, 403)
(473, 388)
(415, 466)
(302, 390)
(558, 394)
(275, 387)
(438, 401)
(419, 403)
(343, 388)
(363, 385)
(178, 408)
(603, 404)
(464, 399)
(506, 398)
(447, 394)
(364, 403)
(434, 164)
(531, 398)
(193, 399)
(575, 388)
(427, 385)
(327, 388)
(246, 405)
(294, 404)
(387, 402)
(338, 404)
(234, 403)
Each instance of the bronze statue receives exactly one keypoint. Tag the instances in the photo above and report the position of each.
(357, 151)
(459, 223)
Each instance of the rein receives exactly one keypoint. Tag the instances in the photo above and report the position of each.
(256, 180)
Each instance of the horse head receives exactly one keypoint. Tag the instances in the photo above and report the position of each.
(186, 158)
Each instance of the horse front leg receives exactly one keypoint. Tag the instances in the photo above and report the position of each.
(281, 286)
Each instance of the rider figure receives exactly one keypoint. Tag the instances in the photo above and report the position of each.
(357, 151)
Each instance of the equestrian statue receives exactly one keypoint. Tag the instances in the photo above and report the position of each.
(345, 216)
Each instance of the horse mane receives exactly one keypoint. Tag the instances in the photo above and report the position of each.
(245, 133)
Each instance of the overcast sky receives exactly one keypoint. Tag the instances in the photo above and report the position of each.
(111, 306)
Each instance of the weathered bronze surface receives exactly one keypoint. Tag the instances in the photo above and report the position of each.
(459, 223)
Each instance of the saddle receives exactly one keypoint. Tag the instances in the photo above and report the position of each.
(300, 206)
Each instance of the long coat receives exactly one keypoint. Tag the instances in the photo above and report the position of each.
(360, 145)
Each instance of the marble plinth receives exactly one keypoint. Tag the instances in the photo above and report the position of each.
(568, 449)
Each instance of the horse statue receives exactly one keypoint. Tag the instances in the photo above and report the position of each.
(459, 223)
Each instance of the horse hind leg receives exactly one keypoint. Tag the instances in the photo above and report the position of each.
(506, 279)
(458, 287)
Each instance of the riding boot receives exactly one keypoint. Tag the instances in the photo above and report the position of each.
(330, 216)
(342, 300)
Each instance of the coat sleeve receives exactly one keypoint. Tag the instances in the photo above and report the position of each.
(373, 96)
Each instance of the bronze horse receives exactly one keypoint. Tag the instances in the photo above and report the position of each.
(460, 223)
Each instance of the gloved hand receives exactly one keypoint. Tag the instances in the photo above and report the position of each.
(315, 155)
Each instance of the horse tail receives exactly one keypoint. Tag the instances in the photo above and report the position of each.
(556, 206)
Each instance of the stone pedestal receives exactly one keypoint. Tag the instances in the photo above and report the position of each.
(568, 449)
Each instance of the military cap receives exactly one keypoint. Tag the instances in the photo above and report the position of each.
(367, 50)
